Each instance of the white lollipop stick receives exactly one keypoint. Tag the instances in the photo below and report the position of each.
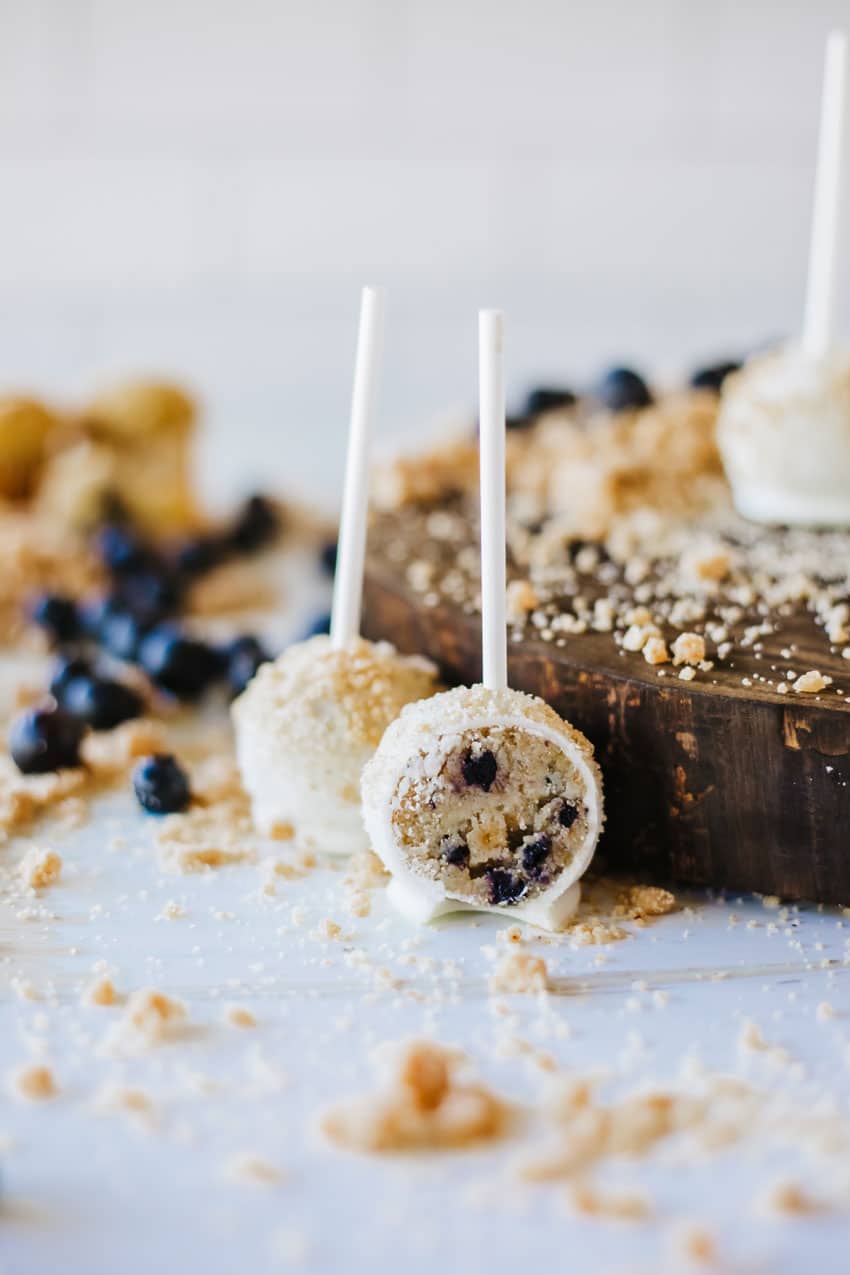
(491, 412)
(820, 290)
(348, 578)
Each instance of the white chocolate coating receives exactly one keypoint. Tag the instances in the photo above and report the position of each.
(784, 434)
(307, 724)
(418, 742)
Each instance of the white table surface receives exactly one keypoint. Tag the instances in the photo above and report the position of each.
(98, 1194)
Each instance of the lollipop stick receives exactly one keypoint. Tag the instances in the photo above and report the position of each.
(348, 579)
(491, 411)
(820, 291)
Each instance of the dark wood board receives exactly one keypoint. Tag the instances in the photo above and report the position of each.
(706, 783)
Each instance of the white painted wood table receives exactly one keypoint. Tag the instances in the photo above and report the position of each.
(100, 1194)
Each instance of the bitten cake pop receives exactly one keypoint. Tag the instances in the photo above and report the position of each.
(483, 798)
(784, 423)
(307, 723)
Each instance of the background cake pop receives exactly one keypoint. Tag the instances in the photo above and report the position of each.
(308, 722)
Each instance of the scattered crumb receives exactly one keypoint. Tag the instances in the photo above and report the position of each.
(238, 1016)
(788, 1198)
(520, 972)
(810, 683)
(423, 1105)
(36, 1083)
(100, 992)
(592, 1201)
(40, 868)
(688, 648)
(251, 1169)
(150, 1018)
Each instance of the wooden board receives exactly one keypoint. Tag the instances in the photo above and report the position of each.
(707, 783)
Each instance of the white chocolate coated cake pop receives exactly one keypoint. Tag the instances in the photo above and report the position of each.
(307, 724)
(485, 800)
(784, 434)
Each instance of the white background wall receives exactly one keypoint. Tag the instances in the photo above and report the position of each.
(201, 186)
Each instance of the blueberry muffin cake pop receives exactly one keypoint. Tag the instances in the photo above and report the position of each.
(483, 798)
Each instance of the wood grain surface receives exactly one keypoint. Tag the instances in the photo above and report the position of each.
(711, 782)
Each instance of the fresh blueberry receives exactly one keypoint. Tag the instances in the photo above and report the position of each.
(65, 669)
(120, 633)
(535, 853)
(182, 665)
(195, 557)
(101, 703)
(150, 596)
(505, 887)
(121, 551)
(58, 616)
(243, 657)
(161, 785)
(327, 557)
(713, 376)
(256, 524)
(321, 624)
(568, 814)
(622, 390)
(455, 852)
(479, 770)
(548, 399)
(45, 739)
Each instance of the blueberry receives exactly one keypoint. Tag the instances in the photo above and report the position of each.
(243, 657)
(181, 665)
(120, 633)
(195, 557)
(713, 376)
(548, 399)
(568, 814)
(455, 852)
(101, 703)
(161, 785)
(321, 624)
(58, 616)
(65, 669)
(121, 551)
(622, 390)
(327, 557)
(535, 853)
(505, 887)
(479, 771)
(45, 739)
(256, 524)
(150, 596)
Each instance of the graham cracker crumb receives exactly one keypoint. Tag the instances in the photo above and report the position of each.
(238, 1016)
(655, 651)
(36, 1083)
(592, 1201)
(424, 1105)
(40, 868)
(521, 599)
(150, 1018)
(810, 683)
(520, 972)
(100, 992)
(787, 1198)
(638, 902)
(688, 648)
(251, 1169)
